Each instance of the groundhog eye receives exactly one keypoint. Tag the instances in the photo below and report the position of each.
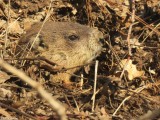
(73, 37)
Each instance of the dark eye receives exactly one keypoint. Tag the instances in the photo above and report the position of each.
(73, 37)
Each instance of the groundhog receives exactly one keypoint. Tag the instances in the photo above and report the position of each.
(67, 44)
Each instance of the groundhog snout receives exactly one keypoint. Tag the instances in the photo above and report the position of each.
(96, 41)
(98, 35)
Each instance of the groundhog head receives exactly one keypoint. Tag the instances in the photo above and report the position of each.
(65, 43)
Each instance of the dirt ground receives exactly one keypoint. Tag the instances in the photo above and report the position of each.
(128, 80)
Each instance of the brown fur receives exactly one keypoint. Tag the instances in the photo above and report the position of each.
(65, 43)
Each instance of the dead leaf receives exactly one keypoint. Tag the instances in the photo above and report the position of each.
(130, 69)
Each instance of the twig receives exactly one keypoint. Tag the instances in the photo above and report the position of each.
(68, 102)
(146, 24)
(50, 62)
(127, 98)
(56, 105)
(95, 83)
(9, 26)
(32, 59)
(46, 18)
(128, 37)
(17, 111)
(130, 27)
(150, 33)
(82, 81)
(136, 17)
(76, 103)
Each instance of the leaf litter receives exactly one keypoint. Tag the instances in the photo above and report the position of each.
(128, 87)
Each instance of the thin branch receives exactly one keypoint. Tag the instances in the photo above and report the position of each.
(56, 105)
(130, 28)
(138, 90)
(46, 18)
(95, 84)
(17, 111)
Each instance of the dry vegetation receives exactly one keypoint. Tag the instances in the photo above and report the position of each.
(128, 72)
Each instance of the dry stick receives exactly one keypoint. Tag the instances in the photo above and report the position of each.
(149, 33)
(146, 24)
(8, 26)
(95, 83)
(130, 28)
(129, 52)
(68, 102)
(127, 98)
(52, 63)
(76, 103)
(82, 81)
(46, 18)
(128, 37)
(17, 111)
(137, 18)
(32, 59)
(56, 105)
(135, 92)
